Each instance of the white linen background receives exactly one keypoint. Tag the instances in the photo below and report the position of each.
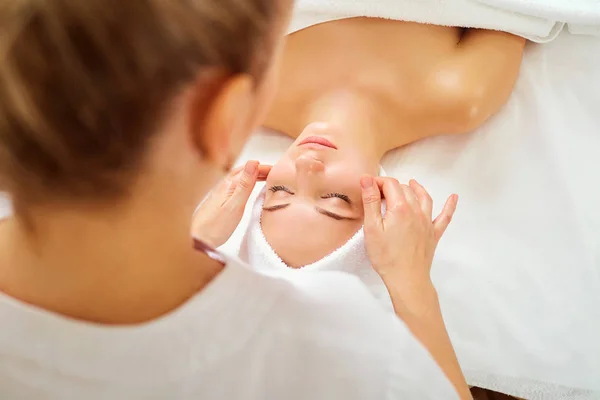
(5, 207)
(518, 271)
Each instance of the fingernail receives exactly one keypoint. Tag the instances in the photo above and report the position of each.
(251, 167)
(366, 182)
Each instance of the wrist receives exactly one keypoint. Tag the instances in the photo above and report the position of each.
(209, 237)
(414, 299)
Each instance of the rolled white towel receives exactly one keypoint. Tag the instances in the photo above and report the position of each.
(579, 29)
(572, 12)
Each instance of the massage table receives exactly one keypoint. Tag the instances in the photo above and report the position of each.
(518, 271)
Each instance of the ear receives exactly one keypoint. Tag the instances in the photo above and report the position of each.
(218, 116)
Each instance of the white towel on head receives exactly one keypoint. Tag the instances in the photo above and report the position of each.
(350, 258)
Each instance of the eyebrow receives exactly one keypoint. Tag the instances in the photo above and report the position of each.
(320, 210)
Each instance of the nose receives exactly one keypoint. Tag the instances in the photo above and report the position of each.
(307, 165)
(307, 168)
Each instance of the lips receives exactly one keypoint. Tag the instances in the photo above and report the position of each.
(317, 140)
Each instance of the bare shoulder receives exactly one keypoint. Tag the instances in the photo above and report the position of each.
(472, 83)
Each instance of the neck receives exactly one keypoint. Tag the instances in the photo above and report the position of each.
(115, 264)
(357, 118)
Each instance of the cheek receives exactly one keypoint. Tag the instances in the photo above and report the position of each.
(264, 100)
(356, 163)
(281, 173)
(267, 90)
(346, 178)
(271, 81)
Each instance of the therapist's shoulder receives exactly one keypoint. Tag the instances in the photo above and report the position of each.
(342, 293)
(328, 301)
(336, 313)
(350, 320)
(338, 303)
(331, 324)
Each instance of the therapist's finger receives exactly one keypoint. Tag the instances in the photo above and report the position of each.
(371, 197)
(440, 224)
(243, 185)
(411, 198)
(263, 172)
(424, 198)
(392, 192)
(235, 171)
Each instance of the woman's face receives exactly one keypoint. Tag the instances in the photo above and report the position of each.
(313, 203)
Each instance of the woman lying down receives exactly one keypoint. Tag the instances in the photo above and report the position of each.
(369, 96)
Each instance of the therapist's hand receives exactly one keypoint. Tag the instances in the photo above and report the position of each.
(217, 217)
(402, 243)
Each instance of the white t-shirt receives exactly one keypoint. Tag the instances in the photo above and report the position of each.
(245, 336)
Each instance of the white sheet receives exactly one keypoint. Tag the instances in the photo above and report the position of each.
(519, 270)
(5, 207)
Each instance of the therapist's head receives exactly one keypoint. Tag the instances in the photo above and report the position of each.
(99, 98)
(313, 202)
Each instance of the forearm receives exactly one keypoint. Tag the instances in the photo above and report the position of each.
(420, 310)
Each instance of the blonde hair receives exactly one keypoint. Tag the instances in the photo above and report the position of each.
(83, 82)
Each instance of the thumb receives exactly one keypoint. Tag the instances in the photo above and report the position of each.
(244, 185)
(371, 197)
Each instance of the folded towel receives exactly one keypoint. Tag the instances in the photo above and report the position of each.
(580, 29)
(351, 257)
(463, 13)
(573, 12)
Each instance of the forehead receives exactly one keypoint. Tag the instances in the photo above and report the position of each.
(301, 236)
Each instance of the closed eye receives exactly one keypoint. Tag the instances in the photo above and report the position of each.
(279, 188)
(329, 214)
(339, 196)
